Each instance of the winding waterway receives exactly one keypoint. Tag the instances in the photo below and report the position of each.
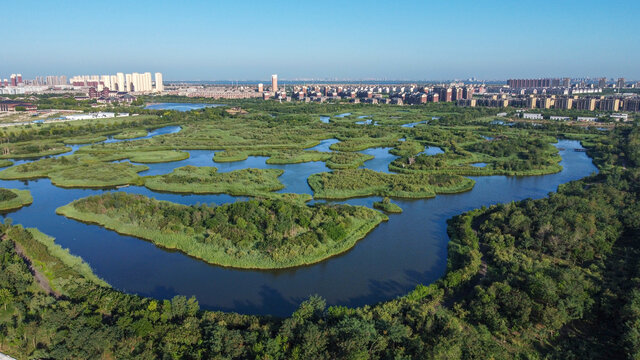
(409, 249)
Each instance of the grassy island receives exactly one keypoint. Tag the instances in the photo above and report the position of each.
(35, 149)
(207, 180)
(130, 134)
(160, 156)
(334, 160)
(85, 140)
(506, 155)
(347, 160)
(342, 184)
(258, 234)
(77, 171)
(387, 206)
(12, 199)
(297, 156)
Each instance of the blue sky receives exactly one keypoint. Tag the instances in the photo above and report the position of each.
(247, 40)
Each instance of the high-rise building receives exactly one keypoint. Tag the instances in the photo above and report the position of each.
(13, 80)
(159, 83)
(120, 82)
(147, 82)
(106, 81)
(620, 83)
(566, 82)
(260, 87)
(19, 78)
(602, 82)
(586, 104)
(136, 82)
(274, 83)
(127, 82)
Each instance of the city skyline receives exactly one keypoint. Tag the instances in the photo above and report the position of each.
(361, 40)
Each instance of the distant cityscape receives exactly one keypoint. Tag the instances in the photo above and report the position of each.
(544, 93)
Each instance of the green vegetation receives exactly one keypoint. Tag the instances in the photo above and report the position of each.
(52, 260)
(160, 156)
(362, 143)
(85, 140)
(230, 156)
(342, 184)
(347, 160)
(77, 171)
(387, 206)
(34, 149)
(297, 156)
(11, 199)
(131, 134)
(207, 180)
(258, 234)
(512, 155)
(98, 175)
(407, 148)
(5, 163)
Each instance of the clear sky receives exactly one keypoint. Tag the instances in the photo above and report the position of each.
(392, 39)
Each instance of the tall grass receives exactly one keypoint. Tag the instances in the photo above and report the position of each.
(342, 184)
(21, 198)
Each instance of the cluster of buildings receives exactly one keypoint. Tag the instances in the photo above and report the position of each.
(591, 103)
(373, 94)
(139, 83)
(121, 82)
(534, 116)
(601, 83)
(11, 106)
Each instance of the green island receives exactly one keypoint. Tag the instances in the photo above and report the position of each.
(12, 199)
(158, 156)
(207, 180)
(387, 206)
(131, 134)
(77, 171)
(507, 155)
(256, 234)
(342, 184)
(85, 140)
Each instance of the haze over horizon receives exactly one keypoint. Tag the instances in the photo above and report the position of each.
(403, 40)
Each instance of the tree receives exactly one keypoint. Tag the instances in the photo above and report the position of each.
(6, 297)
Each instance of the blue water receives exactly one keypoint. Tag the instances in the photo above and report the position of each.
(414, 124)
(432, 150)
(409, 249)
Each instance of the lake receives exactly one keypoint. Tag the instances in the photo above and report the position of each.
(409, 249)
